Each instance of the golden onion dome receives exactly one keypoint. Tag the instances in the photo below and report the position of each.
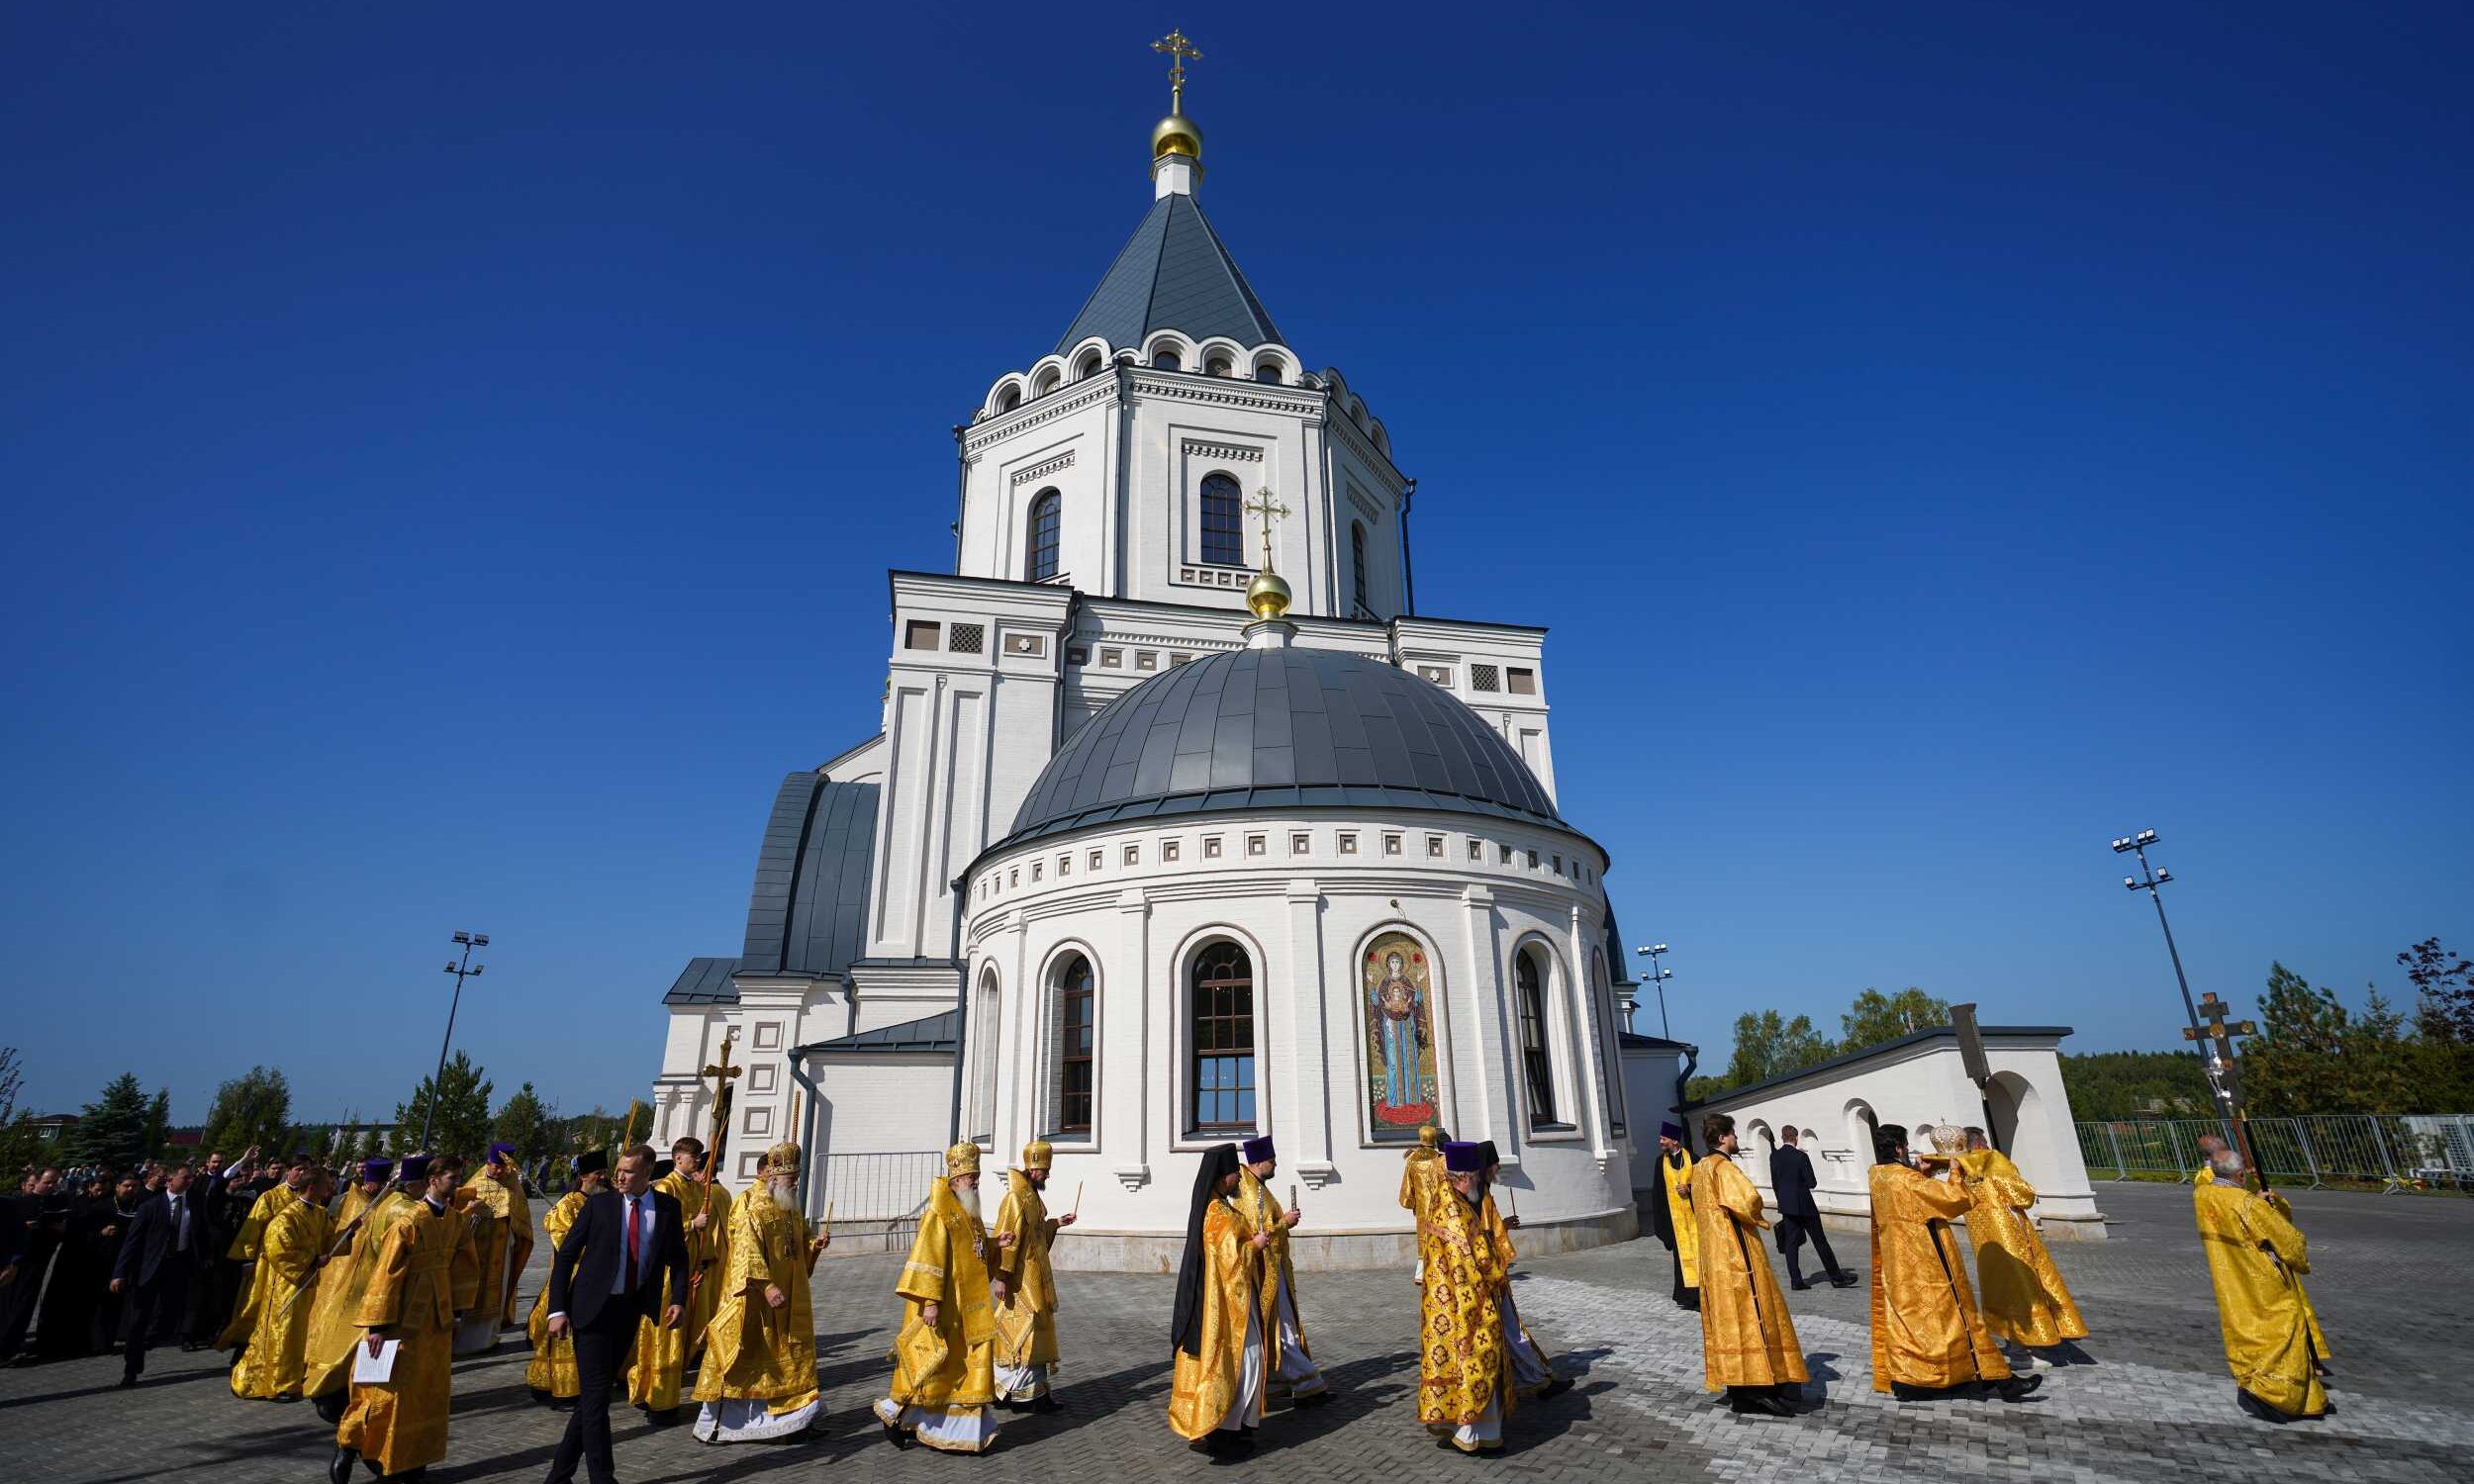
(1177, 134)
(1268, 595)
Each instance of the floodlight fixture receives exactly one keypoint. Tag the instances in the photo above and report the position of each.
(462, 969)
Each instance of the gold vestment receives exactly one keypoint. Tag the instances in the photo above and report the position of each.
(275, 1317)
(754, 1351)
(662, 1354)
(1462, 1368)
(1748, 1338)
(1204, 1387)
(2024, 1297)
(552, 1369)
(245, 1242)
(2255, 1259)
(2310, 1315)
(1674, 1179)
(1264, 1213)
(427, 1272)
(1027, 1322)
(1926, 1330)
(503, 1243)
(343, 1285)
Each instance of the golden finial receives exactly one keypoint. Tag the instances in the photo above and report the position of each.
(1178, 49)
(1177, 133)
(1268, 595)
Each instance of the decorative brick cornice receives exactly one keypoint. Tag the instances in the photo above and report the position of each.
(1044, 468)
(1050, 407)
(1234, 452)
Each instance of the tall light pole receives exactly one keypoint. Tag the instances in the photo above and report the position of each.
(463, 970)
(1657, 981)
(2219, 1076)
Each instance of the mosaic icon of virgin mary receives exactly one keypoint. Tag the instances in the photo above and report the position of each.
(1400, 1038)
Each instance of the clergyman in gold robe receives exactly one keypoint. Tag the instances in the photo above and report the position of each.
(1226, 1311)
(2256, 1257)
(663, 1355)
(551, 1375)
(249, 1240)
(945, 1355)
(1748, 1347)
(1295, 1376)
(502, 1242)
(758, 1380)
(1464, 1373)
(2209, 1148)
(369, 1208)
(1026, 1286)
(2024, 1299)
(1671, 1213)
(273, 1363)
(1928, 1339)
(426, 1274)
(1533, 1374)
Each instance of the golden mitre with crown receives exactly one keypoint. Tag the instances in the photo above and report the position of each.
(962, 1160)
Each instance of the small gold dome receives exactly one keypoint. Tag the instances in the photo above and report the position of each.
(1268, 595)
(1177, 134)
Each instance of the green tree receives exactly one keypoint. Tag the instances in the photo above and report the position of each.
(2295, 1065)
(1876, 1018)
(19, 1146)
(253, 1108)
(463, 1126)
(2443, 986)
(158, 1135)
(524, 1121)
(112, 1130)
(1766, 1046)
(2130, 1084)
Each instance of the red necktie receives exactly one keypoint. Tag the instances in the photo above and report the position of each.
(631, 1239)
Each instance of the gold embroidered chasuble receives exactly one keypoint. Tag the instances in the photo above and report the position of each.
(246, 1241)
(1264, 1213)
(503, 1241)
(427, 1272)
(754, 1351)
(1926, 1330)
(2255, 1260)
(343, 1285)
(2022, 1293)
(1674, 1177)
(2284, 1208)
(273, 1321)
(1748, 1338)
(1027, 1322)
(662, 1354)
(954, 1365)
(1418, 1168)
(1463, 1367)
(1204, 1387)
(552, 1368)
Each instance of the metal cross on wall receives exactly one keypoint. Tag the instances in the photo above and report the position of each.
(1264, 506)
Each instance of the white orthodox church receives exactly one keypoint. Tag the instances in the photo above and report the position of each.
(1153, 848)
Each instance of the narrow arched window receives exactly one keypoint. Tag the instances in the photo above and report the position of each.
(1077, 1023)
(1537, 1072)
(984, 1012)
(1089, 365)
(1223, 522)
(1222, 1007)
(1168, 359)
(1610, 1042)
(1009, 398)
(1267, 371)
(1220, 365)
(1043, 542)
(1357, 564)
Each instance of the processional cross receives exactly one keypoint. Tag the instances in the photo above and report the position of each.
(1178, 50)
(2219, 1032)
(1264, 506)
(723, 1072)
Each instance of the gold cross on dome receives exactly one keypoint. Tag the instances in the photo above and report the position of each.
(1177, 50)
(1264, 506)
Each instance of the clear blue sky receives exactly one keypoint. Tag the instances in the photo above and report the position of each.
(452, 456)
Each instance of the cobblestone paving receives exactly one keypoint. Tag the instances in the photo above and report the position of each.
(2146, 1401)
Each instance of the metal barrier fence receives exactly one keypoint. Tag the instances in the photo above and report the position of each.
(2396, 1150)
(876, 1199)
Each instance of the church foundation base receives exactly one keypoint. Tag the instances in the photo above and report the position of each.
(1144, 1252)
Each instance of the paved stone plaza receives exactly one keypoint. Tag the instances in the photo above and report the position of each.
(2148, 1403)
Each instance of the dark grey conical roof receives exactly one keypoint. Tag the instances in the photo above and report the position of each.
(1172, 274)
(1281, 728)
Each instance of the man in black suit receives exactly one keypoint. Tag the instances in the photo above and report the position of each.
(1799, 1220)
(606, 1280)
(160, 1252)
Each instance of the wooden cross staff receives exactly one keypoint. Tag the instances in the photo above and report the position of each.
(2228, 1078)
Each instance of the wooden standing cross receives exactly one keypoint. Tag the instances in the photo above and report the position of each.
(2218, 1030)
(723, 1073)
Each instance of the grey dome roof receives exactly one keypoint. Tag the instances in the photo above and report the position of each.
(1281, 728)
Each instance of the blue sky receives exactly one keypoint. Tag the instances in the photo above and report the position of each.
(452, 456)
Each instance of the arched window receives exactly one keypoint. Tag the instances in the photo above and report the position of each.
(1223, 522)
(1009, 398)
(1220, 365)
(1267, 370)
(1537, 1072)
(1222, 1089)
(1610, 1042)
(1357, 564)
(1046, 383)
(1043, 535)
(1089, 365)
(1077, 1021)
(984, 1011)
(1168, 359)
